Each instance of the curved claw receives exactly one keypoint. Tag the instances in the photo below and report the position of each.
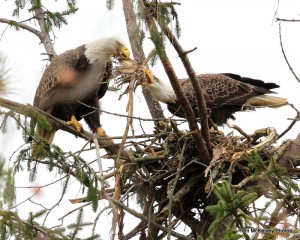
(75, 123)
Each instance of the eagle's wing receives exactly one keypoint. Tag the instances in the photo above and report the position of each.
(63, 72)
(223, 90)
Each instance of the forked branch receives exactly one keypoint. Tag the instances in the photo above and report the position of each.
(190, 116)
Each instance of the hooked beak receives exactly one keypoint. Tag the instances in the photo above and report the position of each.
(125, 52)
(149, 77)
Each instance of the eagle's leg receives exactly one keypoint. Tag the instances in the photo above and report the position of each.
(75, 123)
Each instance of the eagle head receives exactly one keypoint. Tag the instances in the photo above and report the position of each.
(161, 90)
(104, 48)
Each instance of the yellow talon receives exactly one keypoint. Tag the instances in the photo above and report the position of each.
(75, 123)
(101, 133)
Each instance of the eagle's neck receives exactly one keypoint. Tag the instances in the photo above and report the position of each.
(162, 91)
(102, 49)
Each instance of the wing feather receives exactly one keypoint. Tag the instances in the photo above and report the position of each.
(63, 72)
(222, 90)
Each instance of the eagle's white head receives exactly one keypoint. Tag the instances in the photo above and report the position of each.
(103, 48)
(161, 90)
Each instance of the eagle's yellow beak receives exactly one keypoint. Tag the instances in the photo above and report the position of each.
(149, 77)
(125, 51)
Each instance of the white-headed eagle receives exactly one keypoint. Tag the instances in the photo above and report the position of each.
(74, 77)
(224, 93)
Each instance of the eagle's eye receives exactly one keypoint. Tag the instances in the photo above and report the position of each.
(155, 79)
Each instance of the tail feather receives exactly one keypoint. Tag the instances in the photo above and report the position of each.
(43, 137)
(266, 101)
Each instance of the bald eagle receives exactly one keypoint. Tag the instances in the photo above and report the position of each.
(224, 93)
(74, 77)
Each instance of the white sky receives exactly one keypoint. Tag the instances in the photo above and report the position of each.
(237, 36)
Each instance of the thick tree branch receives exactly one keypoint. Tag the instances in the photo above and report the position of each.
(30, 111)
(145, 219)
(138, 53)
(46, 39)
(43, 35)
(190, 116)
(203, 114)
(18, 25)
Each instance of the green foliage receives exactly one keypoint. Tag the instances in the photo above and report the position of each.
(32, 168)
(110, 4)
(2, 164)
(229, 205)
(40, 213)
(3, 126)
(159, 41)
(4, 74)
(9, 194)
(43, 123)
(163, 12)
(255, 162)
(56, 154)
(3, 176)
(15, 25)
(52, 18)
(166, 14)
(154, 59)
(231, 234)
(13, 226)
(93, 196)
(58, 19)
(20, 4)
(71, 3)
(36, 4)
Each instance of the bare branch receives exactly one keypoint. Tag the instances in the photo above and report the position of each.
(145, 219)
(16, 24)
(138, 53)
(203, 114)
(287, 20)
(285, 57)
(292, 123)
(189, 51)
(190, 116)
(46, 40)
(30, 111)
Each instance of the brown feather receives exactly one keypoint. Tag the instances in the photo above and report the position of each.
(226, 94)
(78, 75)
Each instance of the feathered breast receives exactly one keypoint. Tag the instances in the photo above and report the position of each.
(68, 78)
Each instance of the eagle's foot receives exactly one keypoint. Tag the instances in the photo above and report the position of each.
(101, 133)
(75, 123)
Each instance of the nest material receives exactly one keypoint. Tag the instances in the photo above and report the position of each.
(169, 164)
(174, 158)
(128, 70)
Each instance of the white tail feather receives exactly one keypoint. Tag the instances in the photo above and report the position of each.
(266, 101)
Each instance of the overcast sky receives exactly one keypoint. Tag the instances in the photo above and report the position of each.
(237, 36)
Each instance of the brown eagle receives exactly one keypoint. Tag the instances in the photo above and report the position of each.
(74, 77)
(224, 93)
